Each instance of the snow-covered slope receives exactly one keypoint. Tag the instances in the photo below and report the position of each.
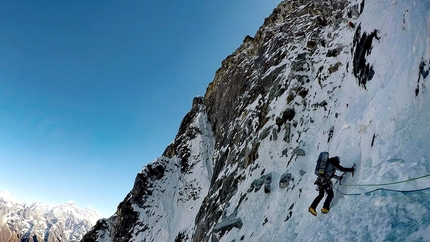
(41, 222)
(347, 77)
(167, 193)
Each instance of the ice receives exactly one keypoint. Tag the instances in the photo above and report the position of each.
(382, 128)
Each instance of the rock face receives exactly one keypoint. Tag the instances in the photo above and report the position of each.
(40, 222)
(313, 78)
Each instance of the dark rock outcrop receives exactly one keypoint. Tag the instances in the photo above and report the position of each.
(265, 181)
(362, 70)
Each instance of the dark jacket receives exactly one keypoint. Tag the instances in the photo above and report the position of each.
(333, 165)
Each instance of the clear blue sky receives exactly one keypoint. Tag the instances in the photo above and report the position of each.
(91, 91)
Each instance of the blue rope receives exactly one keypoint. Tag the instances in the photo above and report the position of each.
(384, 184)
(382, 189)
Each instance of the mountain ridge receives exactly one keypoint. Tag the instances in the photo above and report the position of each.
(348, 77)
(42, 222)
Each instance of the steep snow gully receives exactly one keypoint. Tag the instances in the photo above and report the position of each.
(347, 77)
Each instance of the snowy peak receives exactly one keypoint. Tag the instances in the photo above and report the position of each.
(6, 196)
(344, 76)
(42, 222)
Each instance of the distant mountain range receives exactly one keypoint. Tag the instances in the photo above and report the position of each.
(41, 222)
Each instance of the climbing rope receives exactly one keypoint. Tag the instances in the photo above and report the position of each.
(383, 184)
(383, 189)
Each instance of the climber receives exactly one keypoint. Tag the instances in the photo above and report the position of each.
(324, 183)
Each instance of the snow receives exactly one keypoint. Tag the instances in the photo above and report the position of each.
(387, 113)
(7, 198)
(5, 195)
(174, 203)
(38, 218)
(383, 128)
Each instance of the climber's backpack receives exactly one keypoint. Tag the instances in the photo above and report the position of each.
(322, 163)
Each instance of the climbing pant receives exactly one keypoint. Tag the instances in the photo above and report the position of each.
(324, 185)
